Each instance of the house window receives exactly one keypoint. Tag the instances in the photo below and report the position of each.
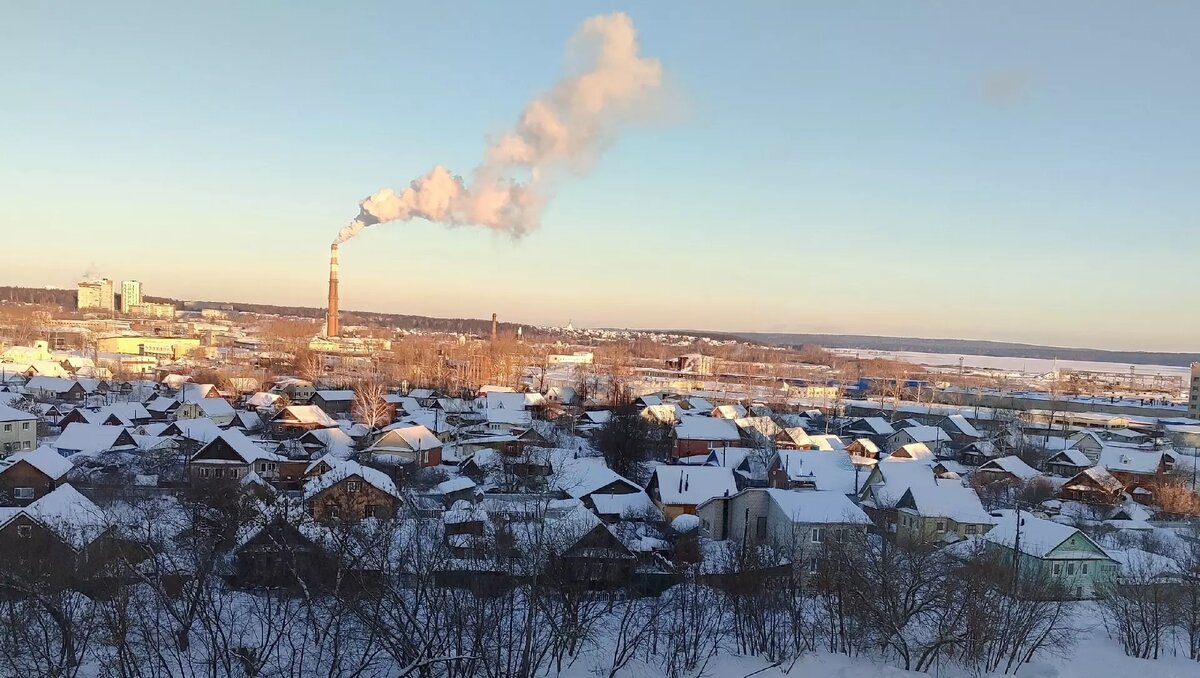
(1083, 568)
(25, 426)
(23, 493)
(972, 529)
(24, 531)
(812, 565)
(1070, 568)
(818, 535)
(760, 528)
(204, 473)
(27, 445)
(352, 486)
(941, 526)
(841, 534)
(372, 511)
(8, 428)
(1057, 568)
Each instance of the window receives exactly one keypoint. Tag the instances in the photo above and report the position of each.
(1070, 568)
(818, 535)
(204, 473)
(760, 527)
(941, 526)
(352, 486)
(27, 445)
(1083, 568)
(8, 428)
(812, 566)
(972, 529)
(1057, 568)
(841, 534)
(24, 531)
(372, 511)
(23, 493)
(25, 426)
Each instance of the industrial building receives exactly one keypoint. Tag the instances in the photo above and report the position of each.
(166, 348)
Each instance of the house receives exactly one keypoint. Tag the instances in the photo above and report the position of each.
(162, 408)
(18, 429)
(696, 435)
(932, 437)
(734, 411)
(914, 452)
(886, 484)
(944, 510)
(1062, 554)
(1068, 462)
(216, 409)
(407, 445)
(30, 475)
(797, 524)
(327, 441)
(1132, 466)
(826, 442)
(230, 456)
(294, 421)
(667, 414)
(1010, 468)
(977, 452)
(59, 389)
(337, 404)
(93, 439)
(677, 490)
(1094, 486)
(279, 554)
(863, 448)
(961, 431)
(875, 429)
(295, 390)
(580, 478)
(350, 491)
(814, 470)
(62, 528)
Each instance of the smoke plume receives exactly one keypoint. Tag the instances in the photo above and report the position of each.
(608, 85)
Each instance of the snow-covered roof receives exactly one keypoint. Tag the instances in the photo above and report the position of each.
(406, 439)
(349, 469)
(1100, 476)
(833, 471)
(1038, 537)
(262, 399)
(10, 414)
(307, 414)
(1130, 461)
(454, 485)
(342, 395)
(914, 451)
(692, 427)
(632, 504)
(243, 446)
(70, 515)
(925, 434)
(215, 407)
(598, 416)
(1072, 456)
(729, 411)
(874, 425)
(809, 506)
(960, 424)
(334, 441)
(693, 484)
(45, 459)
(948, 499)
(867, 445)
(89, 439)
(583, 476)
(1011, 464)
(827, 442)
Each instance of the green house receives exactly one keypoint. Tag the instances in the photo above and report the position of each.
(1060, 553)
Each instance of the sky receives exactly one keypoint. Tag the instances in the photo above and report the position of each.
(1021, 171)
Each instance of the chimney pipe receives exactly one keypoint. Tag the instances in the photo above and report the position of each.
(494, 328)
(332, 329)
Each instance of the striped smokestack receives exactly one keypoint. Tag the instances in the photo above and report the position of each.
(332, 328)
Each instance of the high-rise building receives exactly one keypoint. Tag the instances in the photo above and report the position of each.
(96, 295)
(1194, 392)
(131, 295)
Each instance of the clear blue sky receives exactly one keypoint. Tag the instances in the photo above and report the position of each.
(1016, 171)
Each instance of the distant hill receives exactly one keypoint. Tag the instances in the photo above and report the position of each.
(972, 347)
(66, 299)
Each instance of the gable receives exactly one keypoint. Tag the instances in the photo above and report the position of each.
(1077, 546)
(218, 450)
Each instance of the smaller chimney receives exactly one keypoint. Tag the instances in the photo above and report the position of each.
(494, 328)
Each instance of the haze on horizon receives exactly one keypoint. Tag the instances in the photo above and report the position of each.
(1017, 172)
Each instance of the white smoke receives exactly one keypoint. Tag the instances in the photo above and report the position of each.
(563, 129)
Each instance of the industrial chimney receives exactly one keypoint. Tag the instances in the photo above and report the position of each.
(332, 328)
(494, 327)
